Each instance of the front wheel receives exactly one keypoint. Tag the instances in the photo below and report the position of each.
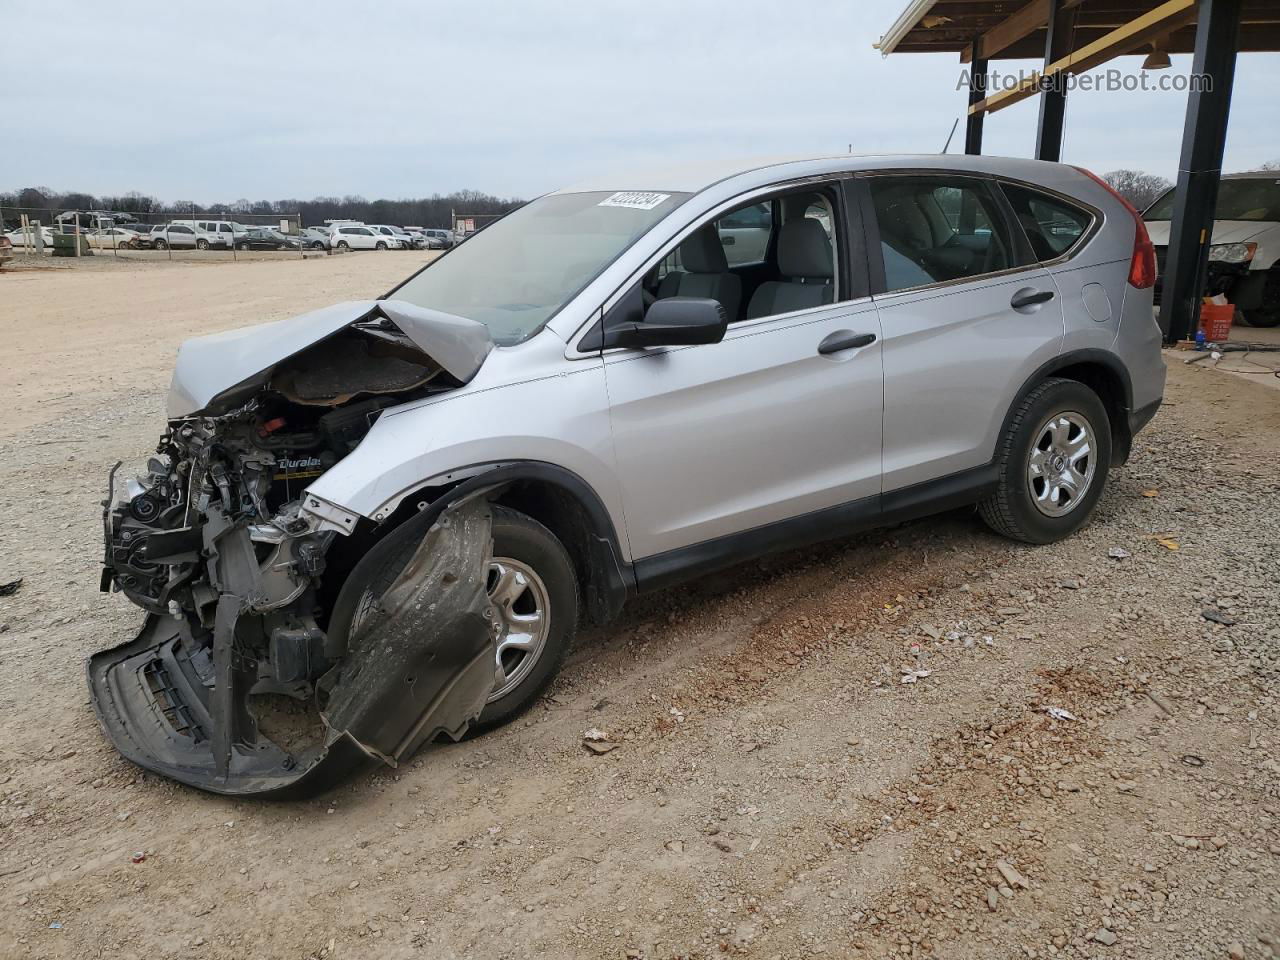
(380, 246)
(532, 585)
(1053, 461)
(1268, 313)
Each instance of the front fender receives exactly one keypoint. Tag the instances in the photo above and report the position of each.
(561, 420)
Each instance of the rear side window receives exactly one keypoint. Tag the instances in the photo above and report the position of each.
(938, 229)
(1053, 226)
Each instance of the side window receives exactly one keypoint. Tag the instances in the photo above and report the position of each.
(1052, 225)
(938, 229)
(744, 233)
(794, 236)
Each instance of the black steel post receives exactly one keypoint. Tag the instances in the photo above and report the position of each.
(1204, 136)
(977, 91)
(1053, 97)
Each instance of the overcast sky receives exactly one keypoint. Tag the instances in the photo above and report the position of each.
(397, 98)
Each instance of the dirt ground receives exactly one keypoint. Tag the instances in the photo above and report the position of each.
(842, 752)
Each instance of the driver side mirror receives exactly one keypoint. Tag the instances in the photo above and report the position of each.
(673, 322)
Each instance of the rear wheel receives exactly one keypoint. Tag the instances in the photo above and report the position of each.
(161, 245)
(1053, 461)
(202, 244)
(343, 245)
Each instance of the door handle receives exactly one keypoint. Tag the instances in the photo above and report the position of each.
(843, 340)
(1029, 298)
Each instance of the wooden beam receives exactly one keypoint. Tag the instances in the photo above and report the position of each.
(1155, 23)
(1024, 22)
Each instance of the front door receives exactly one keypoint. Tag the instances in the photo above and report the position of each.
(780, 419)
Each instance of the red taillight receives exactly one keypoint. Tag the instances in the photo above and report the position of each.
(1142, 265)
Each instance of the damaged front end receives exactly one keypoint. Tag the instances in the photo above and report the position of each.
(243, 680)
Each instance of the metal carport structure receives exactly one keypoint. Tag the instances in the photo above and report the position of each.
(1074, 36)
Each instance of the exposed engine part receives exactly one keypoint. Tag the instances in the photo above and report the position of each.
(176, 699)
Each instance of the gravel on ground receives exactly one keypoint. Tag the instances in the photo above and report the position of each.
(926, 741)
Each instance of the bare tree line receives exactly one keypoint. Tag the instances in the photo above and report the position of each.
(434, 211)
(1141, 189)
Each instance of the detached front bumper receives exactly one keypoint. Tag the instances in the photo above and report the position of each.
(155, 701)
(180, 699)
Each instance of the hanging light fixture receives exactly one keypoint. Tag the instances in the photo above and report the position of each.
(1157, 59)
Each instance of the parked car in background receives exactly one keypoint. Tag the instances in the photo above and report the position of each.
(1244, 251)
(263, 238)
(112, 238)
(220, 233)
(419, 237)
(19, 238)
(180, 236)
(438, 239)
(397, 239)
(146, 238)
(348, 236)
(316, 238)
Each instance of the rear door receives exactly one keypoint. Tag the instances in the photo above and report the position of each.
(967, 314)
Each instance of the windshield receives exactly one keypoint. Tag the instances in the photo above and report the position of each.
(1246, 198)
(514, 275)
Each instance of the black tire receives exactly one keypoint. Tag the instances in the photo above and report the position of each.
(343, 245)
(1012, 510)
(160, 245)
(202, 244)
(380, 246)
(516, 536)
(1268, 313)
(317, 245)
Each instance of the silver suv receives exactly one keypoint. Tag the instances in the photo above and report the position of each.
(397, 511)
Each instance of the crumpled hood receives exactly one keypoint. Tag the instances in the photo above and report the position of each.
(230, 366)
(1224, 231)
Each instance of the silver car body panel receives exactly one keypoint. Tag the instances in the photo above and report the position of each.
(208, 367)
(953, 358)
(761, 426)
(948, 351)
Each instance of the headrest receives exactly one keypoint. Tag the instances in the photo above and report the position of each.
(804, 250)
(702, 252)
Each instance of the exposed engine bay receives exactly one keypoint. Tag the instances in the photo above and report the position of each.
(236, 575)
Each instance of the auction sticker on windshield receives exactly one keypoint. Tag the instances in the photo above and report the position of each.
(634, 199)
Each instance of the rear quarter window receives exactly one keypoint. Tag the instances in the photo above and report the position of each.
(1054, 226)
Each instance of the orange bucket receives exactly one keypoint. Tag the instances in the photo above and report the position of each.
(1215, 321)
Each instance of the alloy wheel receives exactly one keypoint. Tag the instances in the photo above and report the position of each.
(1061, 463)
(521, 620)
